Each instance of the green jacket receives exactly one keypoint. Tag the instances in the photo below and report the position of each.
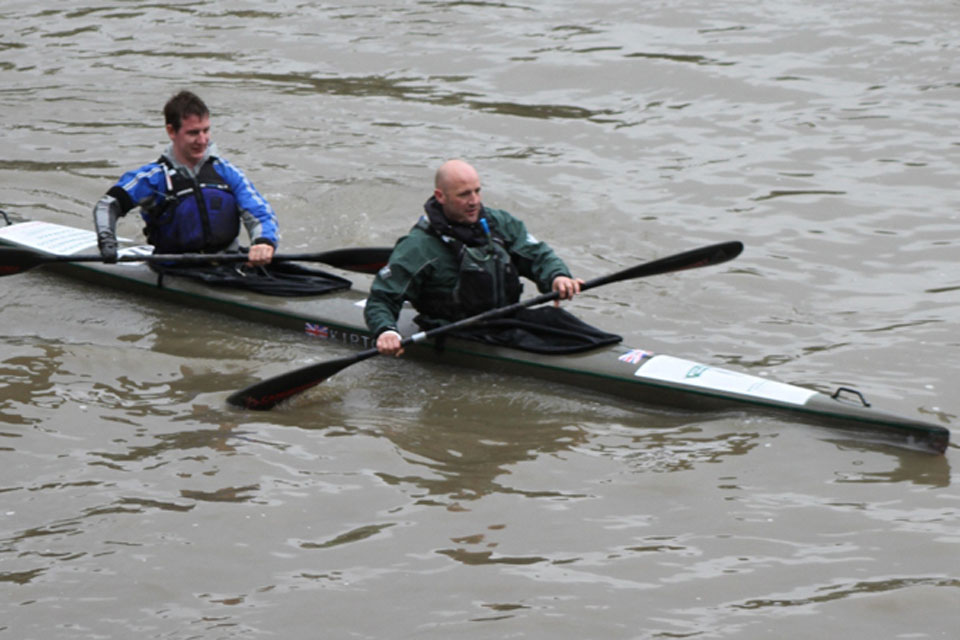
(423, 268)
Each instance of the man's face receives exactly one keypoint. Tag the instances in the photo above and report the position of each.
(460, 197)
(191, 140)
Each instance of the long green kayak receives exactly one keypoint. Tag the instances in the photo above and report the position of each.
(653, 379)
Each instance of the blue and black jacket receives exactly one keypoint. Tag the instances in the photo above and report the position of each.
(189, 211)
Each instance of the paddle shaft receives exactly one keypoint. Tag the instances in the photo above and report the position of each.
(268, 393)
(713, 254)
(363, 259)
(189, 258)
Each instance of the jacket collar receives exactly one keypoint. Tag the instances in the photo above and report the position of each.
(469, 234)
(211, 152)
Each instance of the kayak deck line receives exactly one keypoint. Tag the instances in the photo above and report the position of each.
(635, 374)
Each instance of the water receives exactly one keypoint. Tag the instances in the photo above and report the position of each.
(405, 500)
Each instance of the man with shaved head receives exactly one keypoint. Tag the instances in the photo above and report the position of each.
(460, 259)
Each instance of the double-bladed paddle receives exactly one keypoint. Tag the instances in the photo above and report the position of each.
(267, 393)
(362, 259)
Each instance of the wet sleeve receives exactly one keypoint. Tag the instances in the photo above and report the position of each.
(257, 215)
(395, 283)
(534, 259)
(145, 186)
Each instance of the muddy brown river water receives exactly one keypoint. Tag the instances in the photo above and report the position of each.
(402, 500)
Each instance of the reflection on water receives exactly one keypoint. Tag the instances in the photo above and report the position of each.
(912, 467)
(827, 593)
(219, 440)
(674, 449)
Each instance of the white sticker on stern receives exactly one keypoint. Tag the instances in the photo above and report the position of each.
(687, 372)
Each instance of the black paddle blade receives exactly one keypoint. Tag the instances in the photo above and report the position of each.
(693, 259)
(15, 260)
(362, 259)
(267, 394)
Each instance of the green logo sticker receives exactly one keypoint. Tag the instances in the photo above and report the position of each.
(697, 371)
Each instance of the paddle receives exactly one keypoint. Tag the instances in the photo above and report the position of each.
(15, 260)
(267, 393)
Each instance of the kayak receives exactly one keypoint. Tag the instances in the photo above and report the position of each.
(643, 376)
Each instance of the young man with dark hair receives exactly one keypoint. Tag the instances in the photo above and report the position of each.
(191, 199)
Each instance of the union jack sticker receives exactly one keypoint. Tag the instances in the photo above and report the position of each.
(634, 356)
(317, 331)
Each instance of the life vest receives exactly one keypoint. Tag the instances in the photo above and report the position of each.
(487, 277)
(198, 214)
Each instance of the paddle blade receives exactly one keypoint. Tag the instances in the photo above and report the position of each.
(361, 259)
(15, 260)
(267, 394)
(695, 258)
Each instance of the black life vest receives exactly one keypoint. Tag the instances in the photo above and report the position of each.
(487, 278)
